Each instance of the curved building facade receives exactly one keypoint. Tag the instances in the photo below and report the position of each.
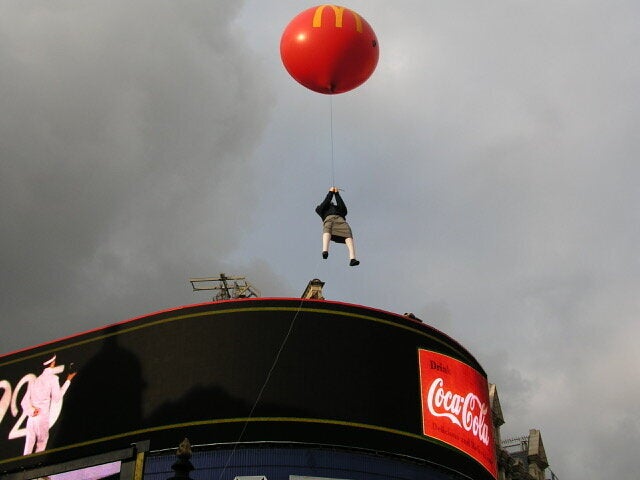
(272, 387)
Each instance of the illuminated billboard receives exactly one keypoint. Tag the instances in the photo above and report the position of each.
(455, 407)
(90, 473)
(246, 370)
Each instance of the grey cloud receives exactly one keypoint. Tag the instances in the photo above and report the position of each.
(127, 131)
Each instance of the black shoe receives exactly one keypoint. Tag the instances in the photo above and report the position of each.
(354, 262)
(325, 255)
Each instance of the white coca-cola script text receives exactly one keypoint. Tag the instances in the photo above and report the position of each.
(467, 411)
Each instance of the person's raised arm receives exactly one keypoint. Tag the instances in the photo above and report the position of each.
(320, 209)
(342, 208)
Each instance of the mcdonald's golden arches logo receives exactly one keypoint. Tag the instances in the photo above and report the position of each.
(339, 14)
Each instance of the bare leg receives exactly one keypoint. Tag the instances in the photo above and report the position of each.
(326, 237)
(352, 250)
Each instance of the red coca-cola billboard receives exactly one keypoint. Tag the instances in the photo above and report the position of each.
(455, 407)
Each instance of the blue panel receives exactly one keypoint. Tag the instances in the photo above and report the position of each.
(280, 463)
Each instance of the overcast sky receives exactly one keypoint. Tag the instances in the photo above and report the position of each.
(490, 166)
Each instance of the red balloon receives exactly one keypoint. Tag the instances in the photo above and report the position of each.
(329, 49)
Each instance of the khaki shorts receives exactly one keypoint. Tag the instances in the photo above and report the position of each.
(338, 227)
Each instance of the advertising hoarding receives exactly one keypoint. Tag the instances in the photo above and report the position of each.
(347, 376)
(455, 407)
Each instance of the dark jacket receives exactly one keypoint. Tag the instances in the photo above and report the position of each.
(327, 208)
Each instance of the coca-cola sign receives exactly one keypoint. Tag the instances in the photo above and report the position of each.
(455, 407)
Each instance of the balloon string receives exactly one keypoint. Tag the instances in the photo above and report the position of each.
(333, 168)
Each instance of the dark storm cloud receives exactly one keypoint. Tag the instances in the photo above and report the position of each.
(125, 137)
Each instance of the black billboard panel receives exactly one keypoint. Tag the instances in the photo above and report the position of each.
(242, 370)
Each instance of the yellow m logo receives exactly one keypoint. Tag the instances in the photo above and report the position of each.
(338, 12)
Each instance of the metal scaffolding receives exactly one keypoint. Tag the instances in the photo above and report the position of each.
(226, 287)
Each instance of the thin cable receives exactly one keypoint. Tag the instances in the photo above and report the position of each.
(264, 385)
(333, 168)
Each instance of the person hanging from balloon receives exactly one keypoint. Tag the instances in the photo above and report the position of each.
(330, 49)
(334, 226)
